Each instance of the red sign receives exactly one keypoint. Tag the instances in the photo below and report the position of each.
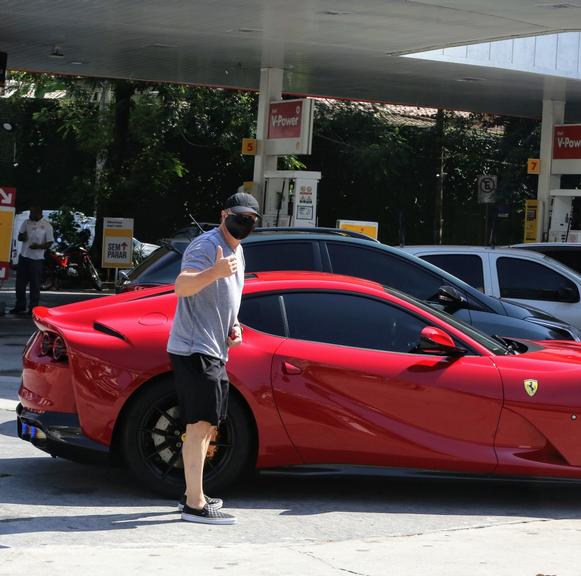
(285, 119)
(7, 196)
(567, 142)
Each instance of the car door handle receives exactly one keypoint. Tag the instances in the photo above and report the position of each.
(289, 368)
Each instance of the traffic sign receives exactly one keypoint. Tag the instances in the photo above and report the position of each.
(487, 189)
(7, 196)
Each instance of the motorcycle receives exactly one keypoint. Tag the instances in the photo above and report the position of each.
(69, 265)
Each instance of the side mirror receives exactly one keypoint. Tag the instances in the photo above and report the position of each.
(436, 341)
(448, 296)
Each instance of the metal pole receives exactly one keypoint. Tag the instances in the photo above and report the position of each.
(553, 113)
(271, 80)
(439, 199)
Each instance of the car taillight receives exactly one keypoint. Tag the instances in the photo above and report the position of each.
(59, 350)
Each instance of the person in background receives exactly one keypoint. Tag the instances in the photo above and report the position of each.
(36, 235)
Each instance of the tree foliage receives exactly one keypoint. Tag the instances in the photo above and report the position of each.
(167, 149)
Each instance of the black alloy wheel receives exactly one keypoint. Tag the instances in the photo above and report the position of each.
(152, 442)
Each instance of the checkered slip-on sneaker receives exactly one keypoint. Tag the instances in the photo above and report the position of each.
(215, 503)
(206, 515)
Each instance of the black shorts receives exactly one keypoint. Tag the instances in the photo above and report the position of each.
(202, 386)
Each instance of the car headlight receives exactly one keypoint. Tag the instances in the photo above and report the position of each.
(569, 332)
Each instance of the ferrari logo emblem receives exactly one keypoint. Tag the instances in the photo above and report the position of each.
(531, 387)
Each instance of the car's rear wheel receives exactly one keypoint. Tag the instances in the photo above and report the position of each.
(152, 438)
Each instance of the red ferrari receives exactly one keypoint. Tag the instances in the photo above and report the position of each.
(332, 370)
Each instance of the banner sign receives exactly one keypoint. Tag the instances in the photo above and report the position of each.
(290, 127)
(7, 202)
(566, 149)
(117, 243)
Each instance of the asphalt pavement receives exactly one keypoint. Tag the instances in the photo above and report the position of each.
(58, 516)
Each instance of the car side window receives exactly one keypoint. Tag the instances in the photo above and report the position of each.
(467, 267)
(265, 256)
(262, 313)
(160, 267)
(384, 268)
(526, 280)
(351, 320)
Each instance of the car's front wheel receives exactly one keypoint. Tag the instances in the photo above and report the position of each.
(152, 440)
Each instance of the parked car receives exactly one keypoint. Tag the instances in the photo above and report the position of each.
(521, 276)
(141, 250)
(347, 254)
(567, 253)
(332, 370)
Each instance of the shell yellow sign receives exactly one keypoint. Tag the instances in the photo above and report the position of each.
(7, 201)
(370, 229)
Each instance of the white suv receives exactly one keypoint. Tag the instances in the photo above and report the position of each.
(520, 275)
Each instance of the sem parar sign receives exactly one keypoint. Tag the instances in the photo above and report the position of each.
(566, 149)
(290, 127)
(117, 243)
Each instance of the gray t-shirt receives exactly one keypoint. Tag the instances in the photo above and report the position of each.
(203, 321)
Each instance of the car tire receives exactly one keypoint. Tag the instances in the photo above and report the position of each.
(154, 458)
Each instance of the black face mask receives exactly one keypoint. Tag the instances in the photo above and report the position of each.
(239, 225)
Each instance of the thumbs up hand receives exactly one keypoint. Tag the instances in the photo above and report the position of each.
(225, 267)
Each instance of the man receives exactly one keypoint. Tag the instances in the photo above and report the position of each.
(36, 235)
(209, 290)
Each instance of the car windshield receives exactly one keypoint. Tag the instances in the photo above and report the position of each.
(495, 346)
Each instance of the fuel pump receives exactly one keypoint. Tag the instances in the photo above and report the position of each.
(561, 216)
(290, 198)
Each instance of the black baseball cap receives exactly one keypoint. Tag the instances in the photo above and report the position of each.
(242, 202)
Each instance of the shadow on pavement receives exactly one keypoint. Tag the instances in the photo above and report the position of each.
(58, 482)
(408, 495)
(84, 523)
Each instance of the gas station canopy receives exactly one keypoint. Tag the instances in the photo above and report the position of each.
(333, 48)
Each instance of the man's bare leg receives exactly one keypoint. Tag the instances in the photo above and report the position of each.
(194, 451)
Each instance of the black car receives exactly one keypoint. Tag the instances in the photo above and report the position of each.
(332, 251)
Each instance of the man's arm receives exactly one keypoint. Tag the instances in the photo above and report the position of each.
(44, 245)
(190, 282)
(22, 235)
